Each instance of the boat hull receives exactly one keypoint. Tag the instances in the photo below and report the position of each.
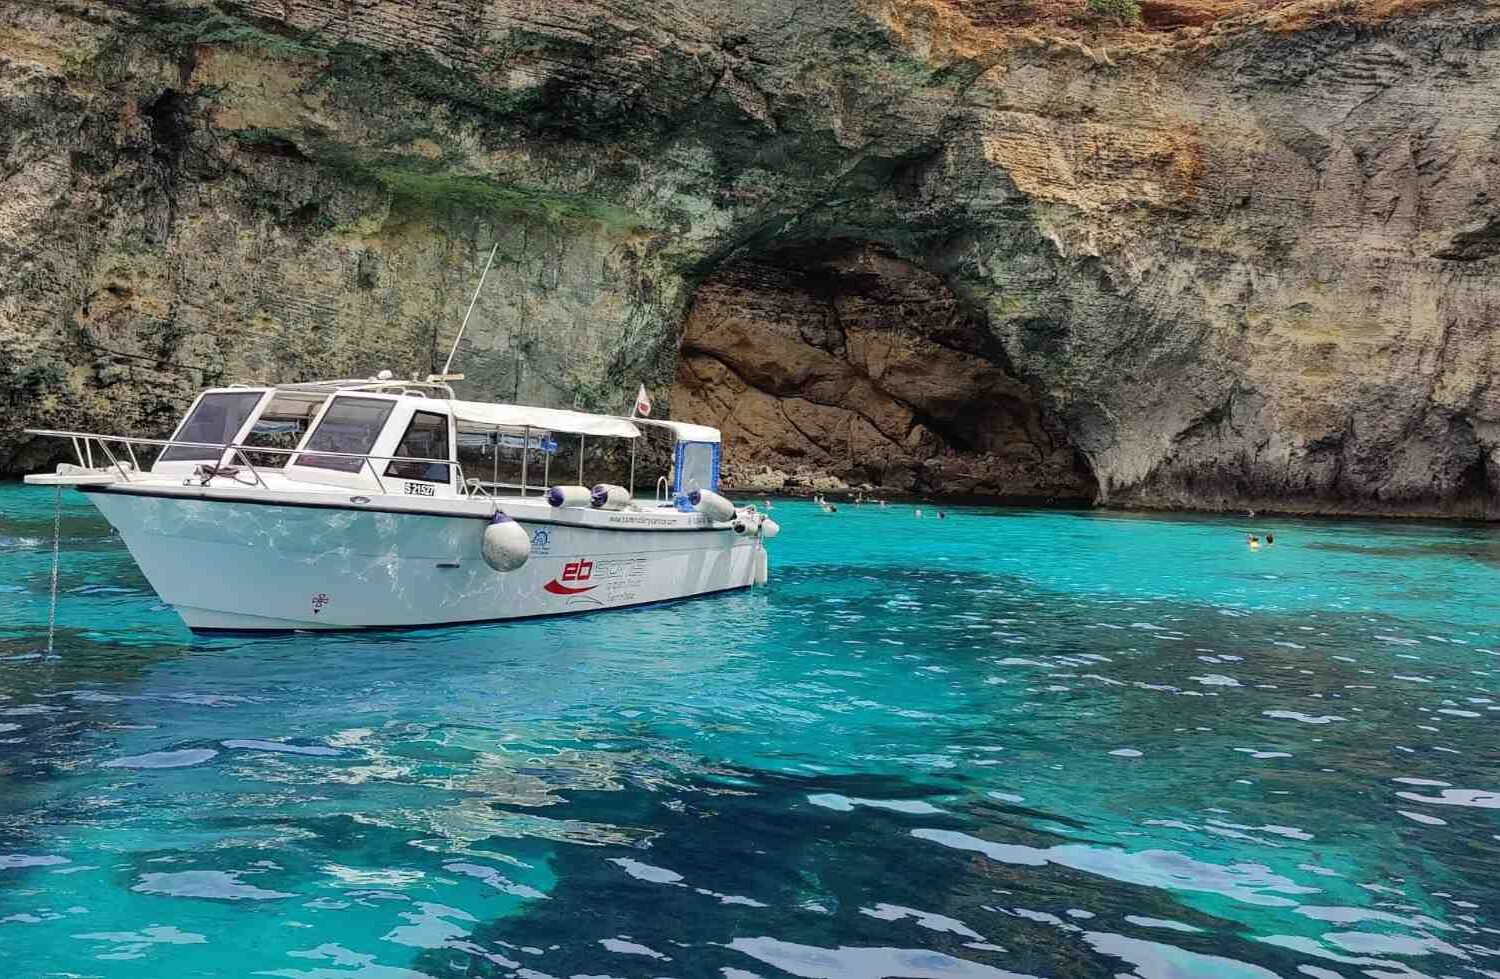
(260, 565)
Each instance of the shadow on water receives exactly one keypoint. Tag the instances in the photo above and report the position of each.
(1484, 548)
(779, 873)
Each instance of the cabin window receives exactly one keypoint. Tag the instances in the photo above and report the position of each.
(426, 438)
(349, 425)
(216, 419)
(697, 466)
(280, 426)
(495, 458)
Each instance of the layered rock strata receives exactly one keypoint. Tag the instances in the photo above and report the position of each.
(1243, 254)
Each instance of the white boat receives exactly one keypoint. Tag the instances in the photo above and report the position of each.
(380, 503)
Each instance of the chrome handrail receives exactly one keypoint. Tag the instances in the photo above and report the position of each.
(103, 447)
(372, 384)
(486, 485)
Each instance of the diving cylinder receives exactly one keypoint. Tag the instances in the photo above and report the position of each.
(607, 496)
(506, 545)
(569, 496)
(711, 505)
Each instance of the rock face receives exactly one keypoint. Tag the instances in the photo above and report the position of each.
(1244, 254)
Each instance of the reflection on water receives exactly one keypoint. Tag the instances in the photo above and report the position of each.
(1003, 744)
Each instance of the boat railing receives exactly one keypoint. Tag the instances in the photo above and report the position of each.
(488, 487)
(375, 384)
(84, 443)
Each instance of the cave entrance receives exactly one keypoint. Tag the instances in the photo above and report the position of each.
(843, 360)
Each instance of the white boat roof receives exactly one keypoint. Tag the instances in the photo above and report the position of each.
(682, 431)
(516, 417)
(520, 417)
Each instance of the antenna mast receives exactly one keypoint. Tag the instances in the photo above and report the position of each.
(465, 324)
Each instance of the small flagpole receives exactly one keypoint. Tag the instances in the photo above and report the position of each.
(634, 408)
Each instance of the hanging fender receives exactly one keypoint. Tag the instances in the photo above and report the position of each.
(506, 546)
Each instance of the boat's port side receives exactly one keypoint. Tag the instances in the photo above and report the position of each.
(258, 564)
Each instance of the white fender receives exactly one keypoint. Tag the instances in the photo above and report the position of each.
(570, 496)
(711, 505)
(607, 496)
(506, 545)
(762, 567)
(769, 528)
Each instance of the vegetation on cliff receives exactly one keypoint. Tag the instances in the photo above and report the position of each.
(1125, 11)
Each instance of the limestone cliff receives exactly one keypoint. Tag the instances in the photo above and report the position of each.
(1241, 254)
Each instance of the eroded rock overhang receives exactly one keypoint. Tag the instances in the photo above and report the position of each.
(838, 362)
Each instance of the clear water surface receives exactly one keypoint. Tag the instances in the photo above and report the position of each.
(1005, 743)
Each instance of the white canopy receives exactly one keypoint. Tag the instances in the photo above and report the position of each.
(519, 417)
(682, 431)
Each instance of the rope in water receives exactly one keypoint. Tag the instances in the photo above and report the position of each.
(56, 535)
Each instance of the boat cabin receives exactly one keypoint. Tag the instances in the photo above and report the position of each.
(409, 438)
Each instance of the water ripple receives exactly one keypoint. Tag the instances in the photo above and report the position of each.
(1015, 744)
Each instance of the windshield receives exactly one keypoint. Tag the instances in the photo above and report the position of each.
(280, 426)
(217, 419)
(426, 438)
(349, 425)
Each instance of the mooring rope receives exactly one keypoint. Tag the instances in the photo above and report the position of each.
(56, 536)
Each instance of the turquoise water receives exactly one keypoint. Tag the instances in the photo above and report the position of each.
(1005, 743)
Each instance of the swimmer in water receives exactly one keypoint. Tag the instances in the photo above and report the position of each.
(1254, 542)
(768, 503)
(1270, 539)
(919, 511)
(942, 515)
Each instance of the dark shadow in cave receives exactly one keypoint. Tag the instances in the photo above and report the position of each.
(841, 358)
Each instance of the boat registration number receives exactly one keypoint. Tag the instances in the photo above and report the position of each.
(419, 489)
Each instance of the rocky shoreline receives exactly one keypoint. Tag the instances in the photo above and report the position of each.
(805, 484)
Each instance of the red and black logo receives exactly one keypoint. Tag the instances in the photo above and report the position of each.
(574, 571)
